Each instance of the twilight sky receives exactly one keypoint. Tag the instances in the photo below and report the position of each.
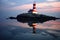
(14, 7)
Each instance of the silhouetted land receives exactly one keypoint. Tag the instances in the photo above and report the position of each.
(34, 18)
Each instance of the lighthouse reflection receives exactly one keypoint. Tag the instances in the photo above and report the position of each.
(33, 25)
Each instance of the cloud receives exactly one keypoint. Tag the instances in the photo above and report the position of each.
(4, 0)
(7, 3)
(12, 3)
(22, 7)
(52, 6)
(51, 0)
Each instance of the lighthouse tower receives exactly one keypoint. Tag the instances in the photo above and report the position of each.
(34, 8)
(34, 11)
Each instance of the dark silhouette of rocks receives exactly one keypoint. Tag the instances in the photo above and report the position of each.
(34, 18)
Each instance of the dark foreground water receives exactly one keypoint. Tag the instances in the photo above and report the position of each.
(20, 33)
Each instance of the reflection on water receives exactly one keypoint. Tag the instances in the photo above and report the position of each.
(20, 33)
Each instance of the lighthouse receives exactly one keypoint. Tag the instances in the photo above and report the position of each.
(34, 11)
(34, 8)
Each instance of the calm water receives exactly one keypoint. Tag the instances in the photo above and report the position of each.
(20, 33)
